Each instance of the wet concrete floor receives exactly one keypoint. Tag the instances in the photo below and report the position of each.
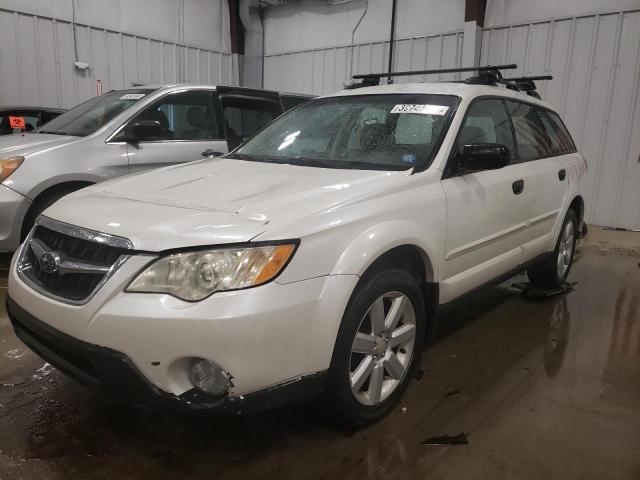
(543, 389)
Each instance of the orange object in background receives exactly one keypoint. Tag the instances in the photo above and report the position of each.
(17, 122)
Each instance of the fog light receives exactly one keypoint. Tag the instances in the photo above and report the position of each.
(208, 377)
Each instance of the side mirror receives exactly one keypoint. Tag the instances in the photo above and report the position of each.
(483, 156)
(146, 130)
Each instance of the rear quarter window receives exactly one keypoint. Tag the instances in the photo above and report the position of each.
(532, 139)
(561, 142)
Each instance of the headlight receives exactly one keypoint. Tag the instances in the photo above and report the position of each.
(8, 165)
(193, 276)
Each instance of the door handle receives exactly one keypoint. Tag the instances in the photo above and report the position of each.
(210, 153)
(562, 174)
(518, 187)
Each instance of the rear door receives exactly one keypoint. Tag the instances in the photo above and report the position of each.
(486, 210)
(540, 151)
(246, 111)
(191, 131)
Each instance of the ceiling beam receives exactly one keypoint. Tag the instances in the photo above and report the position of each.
(474, 11)
(235, 28)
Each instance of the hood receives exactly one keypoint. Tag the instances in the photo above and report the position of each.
(30, 143)
(211, 201)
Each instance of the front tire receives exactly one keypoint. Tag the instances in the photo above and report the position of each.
(40, 205)
(378, 346)
(553, 270)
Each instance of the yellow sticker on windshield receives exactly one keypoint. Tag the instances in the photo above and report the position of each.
(420, 109)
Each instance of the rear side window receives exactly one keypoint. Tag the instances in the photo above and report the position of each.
(531, 136)
(559, 137)
(487, 122)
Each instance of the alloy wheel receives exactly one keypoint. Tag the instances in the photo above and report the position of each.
(382, 349)
(565, 250)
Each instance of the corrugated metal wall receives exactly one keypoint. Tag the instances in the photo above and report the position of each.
(323, 71)
(37, 55)
(595, 61)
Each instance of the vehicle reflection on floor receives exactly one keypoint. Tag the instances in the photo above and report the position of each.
(542, 389)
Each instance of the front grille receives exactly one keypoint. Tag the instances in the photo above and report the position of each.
(81, 260)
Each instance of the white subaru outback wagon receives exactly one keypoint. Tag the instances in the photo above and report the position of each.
(310, 260)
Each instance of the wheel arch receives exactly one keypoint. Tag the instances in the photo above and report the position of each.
(409, 257)
(66, 186)
(577, 205)
(395, 240)
(400, 244)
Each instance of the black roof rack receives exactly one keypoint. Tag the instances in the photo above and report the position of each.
(487, 75)
(527, 84)
(372, 79)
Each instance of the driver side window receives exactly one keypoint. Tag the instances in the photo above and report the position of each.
(487, 122)
(183, 116)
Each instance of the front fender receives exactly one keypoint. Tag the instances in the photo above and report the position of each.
(379, 239)
(62, 179)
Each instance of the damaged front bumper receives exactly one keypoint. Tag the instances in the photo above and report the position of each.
(106, 369)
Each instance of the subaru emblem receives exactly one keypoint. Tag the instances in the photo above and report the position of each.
(50, 262)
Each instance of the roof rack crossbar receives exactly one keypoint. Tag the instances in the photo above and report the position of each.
(527, 84)
(485, 68)
(533, 78)
(487, 75)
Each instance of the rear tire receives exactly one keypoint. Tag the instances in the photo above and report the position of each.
(378, 346)
(553, 270)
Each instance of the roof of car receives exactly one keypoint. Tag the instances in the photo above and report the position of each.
(10, 108)
(466, 91)
(213, 87)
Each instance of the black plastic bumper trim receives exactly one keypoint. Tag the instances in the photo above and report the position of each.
(103, 368)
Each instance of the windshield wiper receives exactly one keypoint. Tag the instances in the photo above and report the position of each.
(251, 158)
(316, 162)
(321, 163)
(331, 163)
(51, 132)
(284, 160)
(242, 156)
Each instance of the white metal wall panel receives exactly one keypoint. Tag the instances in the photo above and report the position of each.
(37, 55)
(323, 71)
(595, 61)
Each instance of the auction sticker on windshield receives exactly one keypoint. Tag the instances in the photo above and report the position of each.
(420, 109)
(132, 96)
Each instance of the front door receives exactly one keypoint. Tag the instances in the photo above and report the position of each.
(190, 131)
(486, 210)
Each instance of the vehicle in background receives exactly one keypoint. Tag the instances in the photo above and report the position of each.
(25, 119)
(123, 132)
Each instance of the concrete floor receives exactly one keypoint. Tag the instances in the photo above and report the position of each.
(543, 389)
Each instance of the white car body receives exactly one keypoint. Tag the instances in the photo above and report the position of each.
(469, 230)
